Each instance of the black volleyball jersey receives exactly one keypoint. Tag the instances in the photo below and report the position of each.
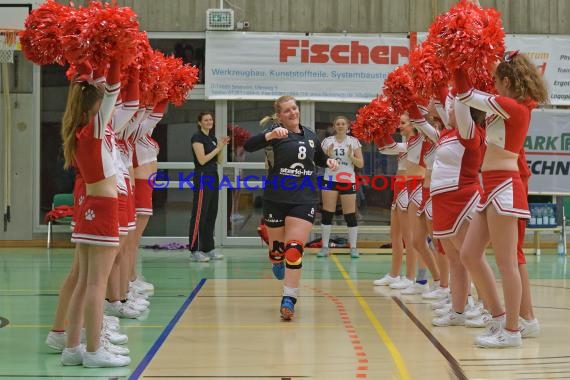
(291, 176)
(210, 143)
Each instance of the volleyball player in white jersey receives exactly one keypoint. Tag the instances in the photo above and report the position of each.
(346, 150)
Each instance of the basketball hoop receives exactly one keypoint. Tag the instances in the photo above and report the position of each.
(8, 43)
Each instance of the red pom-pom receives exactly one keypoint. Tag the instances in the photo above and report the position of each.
(375, 120)
(99, 32)
(40, 39)
(238, 134)
(183, 79)
(429, 72)
(155, 79)
(482, 79)
(468, 36)
(112, 30)
(400, 88)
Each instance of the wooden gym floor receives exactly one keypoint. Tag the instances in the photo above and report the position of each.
(220, 320)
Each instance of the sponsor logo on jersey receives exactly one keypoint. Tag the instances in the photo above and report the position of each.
(296, 170)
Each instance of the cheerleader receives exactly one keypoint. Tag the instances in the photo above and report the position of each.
(399, 231)
(88, 143)
(520, 87)
(411, 148)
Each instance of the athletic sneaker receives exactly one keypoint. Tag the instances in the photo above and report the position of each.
(73, 356)
(354, 253)
(113, 348)
(474, 311)
(442, 311)
(279, 270)
(441, 303)
(529, 329)
(479, 321)
(450, 319)
(113, 336)
(324, 252)
(386, 280)
(199, 256)
(56, 340)
(121, 310)
(214, 255)
(104, 359)
(494, 326)
(137, 299)
(435, 292)
(416, 288)
(403, 283)
(288, 308)
(142, 286)
(111, 322)
(502, 339)
(133, 304)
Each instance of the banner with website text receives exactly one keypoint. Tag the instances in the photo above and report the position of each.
(547, 147)
(264, 66)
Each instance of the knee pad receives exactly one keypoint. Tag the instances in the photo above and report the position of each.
(326, 217)
(276, 252)
(294, 254)
(351, 220)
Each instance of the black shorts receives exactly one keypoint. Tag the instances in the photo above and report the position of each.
(274, 213)
(343, 188)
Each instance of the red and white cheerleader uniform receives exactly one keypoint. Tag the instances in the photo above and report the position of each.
(125, 113)
(146, 151)
(507, 125)
(97, 220)
(455, 187)
(400, 198)
(432, 135)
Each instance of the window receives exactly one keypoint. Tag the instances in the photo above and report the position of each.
(191, 51)
(373, 206)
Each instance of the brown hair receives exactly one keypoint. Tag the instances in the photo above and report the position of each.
(341, 117)
(478, 116)
(524, 78)
(201, 116)
(81, 98)
(277, 109)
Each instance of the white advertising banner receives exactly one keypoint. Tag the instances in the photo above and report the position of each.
(547, 147)
(551, 54)
(264, 66)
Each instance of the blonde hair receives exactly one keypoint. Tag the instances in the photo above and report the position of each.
(277, 108)
(524, 78)
(81, 98)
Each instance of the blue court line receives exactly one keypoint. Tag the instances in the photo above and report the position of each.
(160, 340)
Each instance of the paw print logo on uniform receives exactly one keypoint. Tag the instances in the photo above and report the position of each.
(90, 214)
(81, 199)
